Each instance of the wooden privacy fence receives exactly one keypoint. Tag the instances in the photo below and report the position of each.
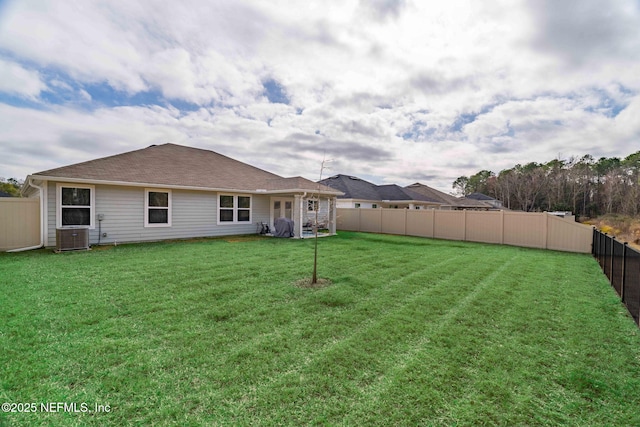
(534, 230)
(19, 223)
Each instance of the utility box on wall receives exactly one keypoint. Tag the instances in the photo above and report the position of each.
(72, 239)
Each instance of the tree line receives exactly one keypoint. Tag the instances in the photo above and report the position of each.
(585, 186)
(10, 186)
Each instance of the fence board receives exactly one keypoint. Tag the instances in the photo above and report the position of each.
(393, 221)
(449, 225)
(484, 226)
(19, 223)
(525, 229)
(617, 264)
(420, 222)
(632, 283)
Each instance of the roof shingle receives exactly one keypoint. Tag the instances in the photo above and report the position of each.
(182, 166)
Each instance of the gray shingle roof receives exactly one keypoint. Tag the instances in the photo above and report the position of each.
(479, 196)
(182, 166)
(433, 194)
(352, 187)
(356, 188)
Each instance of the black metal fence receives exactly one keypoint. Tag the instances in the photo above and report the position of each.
(621, 265)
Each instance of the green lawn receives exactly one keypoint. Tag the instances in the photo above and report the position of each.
(410, 332)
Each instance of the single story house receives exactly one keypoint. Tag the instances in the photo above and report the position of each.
(171, 191)
(497, 204)
(358, 193)
(450, 202)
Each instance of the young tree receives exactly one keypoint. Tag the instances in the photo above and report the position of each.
(314, 277)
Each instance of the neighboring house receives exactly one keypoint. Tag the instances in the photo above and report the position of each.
(454, 203)
(496, 204)
(358, 193)
(171, 191)
(3, 194)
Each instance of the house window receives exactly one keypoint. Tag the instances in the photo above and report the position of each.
(312, 205)
(234, 209)
(357, 205)
(157, 209)
(75, 205)
(374, 206)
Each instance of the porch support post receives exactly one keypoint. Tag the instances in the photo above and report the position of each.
(333, 215)
(297, 216)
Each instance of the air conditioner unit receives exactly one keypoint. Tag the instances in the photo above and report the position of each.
(72, 239)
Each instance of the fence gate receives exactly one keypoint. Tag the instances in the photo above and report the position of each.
(19, 223)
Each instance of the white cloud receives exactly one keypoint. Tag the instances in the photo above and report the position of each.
(17, 80)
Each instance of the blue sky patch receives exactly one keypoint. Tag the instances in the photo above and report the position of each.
(275, 93)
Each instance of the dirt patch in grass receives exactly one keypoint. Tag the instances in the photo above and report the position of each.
(306, 283)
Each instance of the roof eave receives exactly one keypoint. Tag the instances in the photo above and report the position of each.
(177, 187)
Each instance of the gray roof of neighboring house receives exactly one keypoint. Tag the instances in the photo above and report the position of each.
(395, 192)
(181, 166)
(436, 195)
(449, 200)
(465, 202)
(479, 196)
(357, 188)
(352, 187)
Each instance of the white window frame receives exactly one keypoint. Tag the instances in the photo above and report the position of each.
(235, 209)
(147, 207)
(313, 205)
(92, 207)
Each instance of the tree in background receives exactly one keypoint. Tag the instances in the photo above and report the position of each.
(585, 186)
(481, 182)
(10, 186)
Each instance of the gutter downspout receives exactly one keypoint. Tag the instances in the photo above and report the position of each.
(41, 190)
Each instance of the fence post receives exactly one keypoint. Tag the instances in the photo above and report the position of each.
(464, 238)
(613, 242)
(545, 230)
(624, 262)
(406, 213)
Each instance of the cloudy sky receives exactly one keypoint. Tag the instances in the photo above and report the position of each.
(394, 91)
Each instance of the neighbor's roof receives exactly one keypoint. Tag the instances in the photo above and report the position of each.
(479, 196)
(174, 165)
(395, 192)
(352, 187)
(433, 194)
(448, 200)
(357, 188)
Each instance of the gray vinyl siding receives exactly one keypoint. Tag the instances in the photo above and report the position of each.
(193, 214)
(323, 211)
(51, 214)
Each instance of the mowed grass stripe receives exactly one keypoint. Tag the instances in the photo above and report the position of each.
(367, 359)
(312, 338)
